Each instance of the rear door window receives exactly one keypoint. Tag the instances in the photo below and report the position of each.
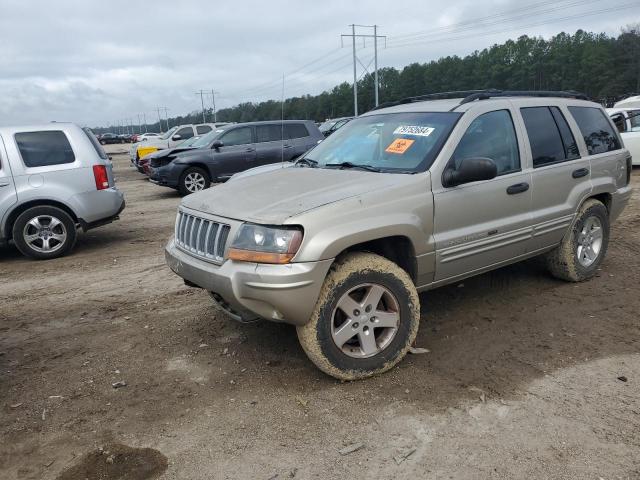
(596, 130)
(295, 130)
(202, 129)
(46, 148)
(549, 136)
(268, 133)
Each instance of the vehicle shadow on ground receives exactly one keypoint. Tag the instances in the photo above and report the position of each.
(496, 332)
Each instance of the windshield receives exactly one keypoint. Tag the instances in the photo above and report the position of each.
(403, 142)
(188, 142)
(207, 139)
(169, 133)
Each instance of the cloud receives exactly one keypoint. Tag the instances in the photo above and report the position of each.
(96, 63)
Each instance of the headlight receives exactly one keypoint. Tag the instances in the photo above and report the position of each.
(260, 244)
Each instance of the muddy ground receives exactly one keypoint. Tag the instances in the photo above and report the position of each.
(522, 378)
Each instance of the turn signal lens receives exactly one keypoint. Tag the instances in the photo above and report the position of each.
(259, 257)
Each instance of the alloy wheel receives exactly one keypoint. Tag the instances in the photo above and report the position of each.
(194, 182)
(365, 320)
(45, 234)
(589, 241)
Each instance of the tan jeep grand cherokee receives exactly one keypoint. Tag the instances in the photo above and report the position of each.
(401, 200)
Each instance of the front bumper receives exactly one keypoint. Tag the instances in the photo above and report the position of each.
(167, 175)
(280, 293)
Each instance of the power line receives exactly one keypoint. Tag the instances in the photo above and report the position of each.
(467, 26)
(535, 24)
(476, 21)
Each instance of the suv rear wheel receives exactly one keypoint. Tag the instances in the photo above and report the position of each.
(194, 180)
(365, 320)
(584, 246)
(44, 232)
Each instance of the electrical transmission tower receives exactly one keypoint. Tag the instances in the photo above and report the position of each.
(356, 60)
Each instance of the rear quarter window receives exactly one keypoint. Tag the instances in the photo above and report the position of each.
(96, 144)
(596, 130)
(46, 148)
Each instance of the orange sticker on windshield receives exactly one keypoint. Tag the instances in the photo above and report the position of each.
(399, 145)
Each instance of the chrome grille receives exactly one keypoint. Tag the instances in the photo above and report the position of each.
(201, 237)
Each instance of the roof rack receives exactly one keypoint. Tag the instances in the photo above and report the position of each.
(468, 96)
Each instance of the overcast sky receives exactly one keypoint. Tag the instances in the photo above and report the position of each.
(96, 62)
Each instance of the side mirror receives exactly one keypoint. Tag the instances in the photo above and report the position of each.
(176, 138)
(470, 170)
(217, 144)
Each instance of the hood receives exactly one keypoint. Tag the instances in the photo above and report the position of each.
(274, 196)
(152, 142)
(261, 169)
(168, 151)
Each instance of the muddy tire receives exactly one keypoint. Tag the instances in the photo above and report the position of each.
(583, 247)
(365, 320)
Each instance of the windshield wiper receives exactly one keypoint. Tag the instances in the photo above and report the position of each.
(306, 161)
(368, 168)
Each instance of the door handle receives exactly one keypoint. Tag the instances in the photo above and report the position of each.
(581, 172)
(4, 184)
(250, 150)
(288, 146)
(518, 188)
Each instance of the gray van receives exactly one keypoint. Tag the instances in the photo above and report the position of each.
(401, 200)
(54, 178)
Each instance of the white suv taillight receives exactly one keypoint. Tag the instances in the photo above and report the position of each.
(100, 174)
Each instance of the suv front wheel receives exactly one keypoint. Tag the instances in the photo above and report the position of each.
(44, 232)
(194, 179)
(365, 320)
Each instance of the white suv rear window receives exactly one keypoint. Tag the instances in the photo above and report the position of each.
(41, 149)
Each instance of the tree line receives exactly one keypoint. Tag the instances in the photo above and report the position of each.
(604, 67)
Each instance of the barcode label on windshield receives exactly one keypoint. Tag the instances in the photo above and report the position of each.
(413, 130)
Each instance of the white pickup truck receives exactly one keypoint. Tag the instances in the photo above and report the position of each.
(626, 115)
(170, 139)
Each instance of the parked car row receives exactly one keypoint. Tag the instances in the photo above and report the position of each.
(172, 138)
(195, 164)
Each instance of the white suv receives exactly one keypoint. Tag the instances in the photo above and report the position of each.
(170, 139)
(54, 178)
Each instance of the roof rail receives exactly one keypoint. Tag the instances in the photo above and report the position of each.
(433, 96)
(468, 96)
(523, 93)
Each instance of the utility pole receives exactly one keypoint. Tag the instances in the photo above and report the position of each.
(166, 116)
(139, 124)
(375, 57)
(201, 93)
(356, 60)
(144, 117)
(215, 113)
(159, 119)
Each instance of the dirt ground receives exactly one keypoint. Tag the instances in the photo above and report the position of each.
(527, 376)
